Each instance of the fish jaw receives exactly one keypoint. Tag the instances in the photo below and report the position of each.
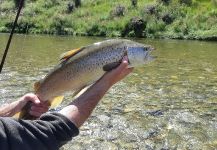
(139, 55)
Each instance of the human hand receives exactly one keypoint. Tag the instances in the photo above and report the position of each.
(37, 107)
(118, 73)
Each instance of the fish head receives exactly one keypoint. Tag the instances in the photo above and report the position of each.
(139, 54)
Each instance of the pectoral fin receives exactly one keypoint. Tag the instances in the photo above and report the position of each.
(111, 66)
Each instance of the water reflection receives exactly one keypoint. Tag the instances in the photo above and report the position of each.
(170, 103)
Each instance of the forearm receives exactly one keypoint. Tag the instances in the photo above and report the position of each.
(8, 110)
(80, 109)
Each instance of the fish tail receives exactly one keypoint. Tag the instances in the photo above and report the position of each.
(24, 113)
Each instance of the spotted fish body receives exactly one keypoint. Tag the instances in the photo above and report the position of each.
(87, 65)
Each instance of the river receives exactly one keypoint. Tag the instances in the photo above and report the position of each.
(170, 103)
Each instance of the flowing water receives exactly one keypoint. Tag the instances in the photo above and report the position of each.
(170, 103)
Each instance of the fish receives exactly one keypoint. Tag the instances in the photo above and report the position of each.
(81, 67)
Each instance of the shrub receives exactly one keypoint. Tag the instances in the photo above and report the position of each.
(167, 18)
(58, 24)
(70, 7)
(155, 26)
(24, 26)
(166, 2)
(186, 2)
(118, 11)
(134, 3)
(6, 6)
(150, 9)
(135, 25)
(96, 30)
(51, 3)
(77, 3)
(17, 3)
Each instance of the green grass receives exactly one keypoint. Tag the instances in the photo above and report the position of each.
(197, 20)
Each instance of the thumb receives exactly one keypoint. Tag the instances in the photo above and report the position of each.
(123, 64)
(32, 98)
(36, 101)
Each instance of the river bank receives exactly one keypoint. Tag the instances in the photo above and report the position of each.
(177, 19)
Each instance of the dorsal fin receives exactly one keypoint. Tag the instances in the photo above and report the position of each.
(70, 53)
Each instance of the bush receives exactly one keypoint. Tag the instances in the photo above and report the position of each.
(70, 7)
(167, 18)
(134, 3)
(96, 30)
(77, 3)
(6, 6)
(51, 3)
(118, 11)
(24, 26)
(166, 2)
(186, 2)
(17, 3)
(155, 26)
(58, 24)
(150, 9)
(137, 26)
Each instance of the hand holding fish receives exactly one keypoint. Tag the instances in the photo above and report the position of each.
(37, 108)
(118, 73)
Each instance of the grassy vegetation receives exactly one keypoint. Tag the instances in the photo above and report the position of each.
(181, 19)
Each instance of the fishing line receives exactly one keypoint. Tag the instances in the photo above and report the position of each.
(11, 35)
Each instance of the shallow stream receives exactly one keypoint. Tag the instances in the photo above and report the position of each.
(170, 103)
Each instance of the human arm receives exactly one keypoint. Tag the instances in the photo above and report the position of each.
(80, 109)
(37, 107)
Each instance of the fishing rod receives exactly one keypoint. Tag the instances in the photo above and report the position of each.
(11, 35)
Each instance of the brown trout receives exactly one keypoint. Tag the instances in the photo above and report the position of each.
(82, 67)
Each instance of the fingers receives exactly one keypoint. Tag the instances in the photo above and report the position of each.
(37, 107)
(38, 110)
(119, 73)
(123, 69)
(32, 97)
(123, 64)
